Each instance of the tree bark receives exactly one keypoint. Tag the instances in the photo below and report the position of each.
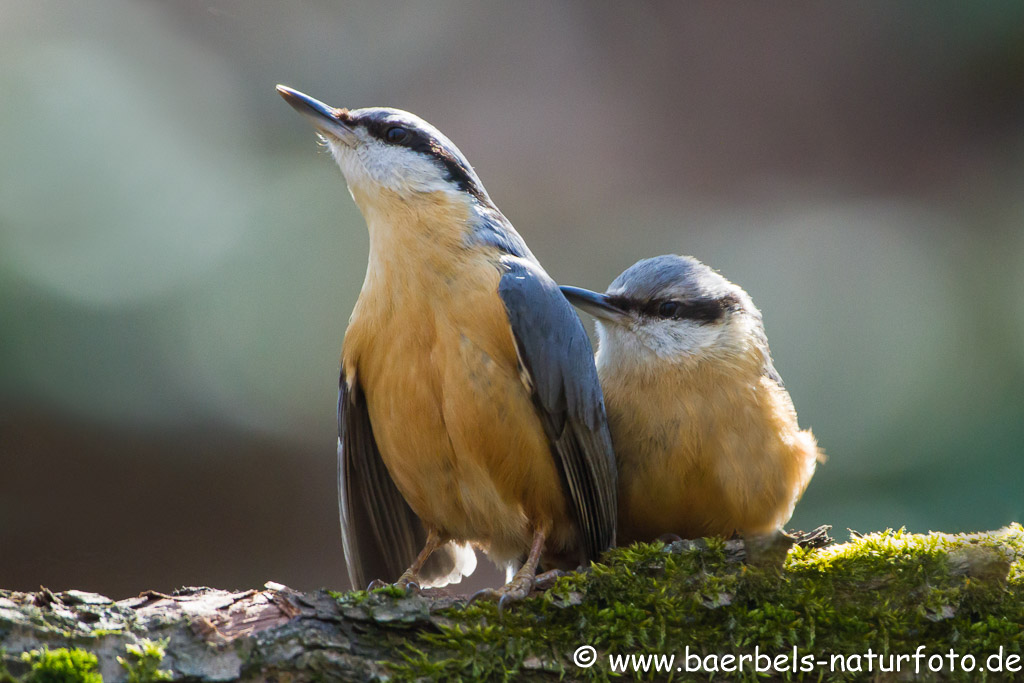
(276, 633)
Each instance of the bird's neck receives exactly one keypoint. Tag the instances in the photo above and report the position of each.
(640, 370)
(421, 268)
(412, 238)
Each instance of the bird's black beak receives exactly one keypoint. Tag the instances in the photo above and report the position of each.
(324, 118)
(597, 305)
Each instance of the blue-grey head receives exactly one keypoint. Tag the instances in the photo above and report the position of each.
(671, 308)
(383, 149)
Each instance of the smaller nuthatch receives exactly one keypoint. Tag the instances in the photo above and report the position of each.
(705, 434)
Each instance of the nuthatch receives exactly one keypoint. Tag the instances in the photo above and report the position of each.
(705, 434)
(469, 411)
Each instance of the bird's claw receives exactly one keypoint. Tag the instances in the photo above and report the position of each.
(484, 595)
(546, 580)
(506, 600)
(516, 590)
(816, 538)
(407, 584)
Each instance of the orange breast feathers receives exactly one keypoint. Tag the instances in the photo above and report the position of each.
(429, 341)
(720, 452)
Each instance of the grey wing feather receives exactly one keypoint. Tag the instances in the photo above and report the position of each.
(768, 369)
(559, 369)
(771, 373)
(380, 533)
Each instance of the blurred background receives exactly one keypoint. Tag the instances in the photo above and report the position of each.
(178, 257)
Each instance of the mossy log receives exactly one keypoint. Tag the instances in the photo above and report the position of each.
(893, 592)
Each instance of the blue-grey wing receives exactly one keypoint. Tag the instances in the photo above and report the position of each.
(768, 368)
(558, 366)
(380, 533)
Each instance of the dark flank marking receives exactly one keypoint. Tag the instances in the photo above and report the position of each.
(702, 311)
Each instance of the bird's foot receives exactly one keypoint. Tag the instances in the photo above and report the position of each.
(409, 586)
(546, 580)
(406, 583)
(516, 590)
(816, 538)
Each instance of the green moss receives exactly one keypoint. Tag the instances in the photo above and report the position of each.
(61, 666)
(143, 663)
(79, 666)
(391, 591)
(891, 591)
(357, 598)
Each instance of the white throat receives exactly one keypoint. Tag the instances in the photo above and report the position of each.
(678, 342)
(372, 166)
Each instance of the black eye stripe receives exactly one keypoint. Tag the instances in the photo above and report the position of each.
(699, 310)
(381, 129)
(419, 141)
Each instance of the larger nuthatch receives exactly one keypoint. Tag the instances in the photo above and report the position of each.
(470, 410)
(705, 435)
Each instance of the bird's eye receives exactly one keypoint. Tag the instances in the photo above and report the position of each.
(397, 134)
(668, 309)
